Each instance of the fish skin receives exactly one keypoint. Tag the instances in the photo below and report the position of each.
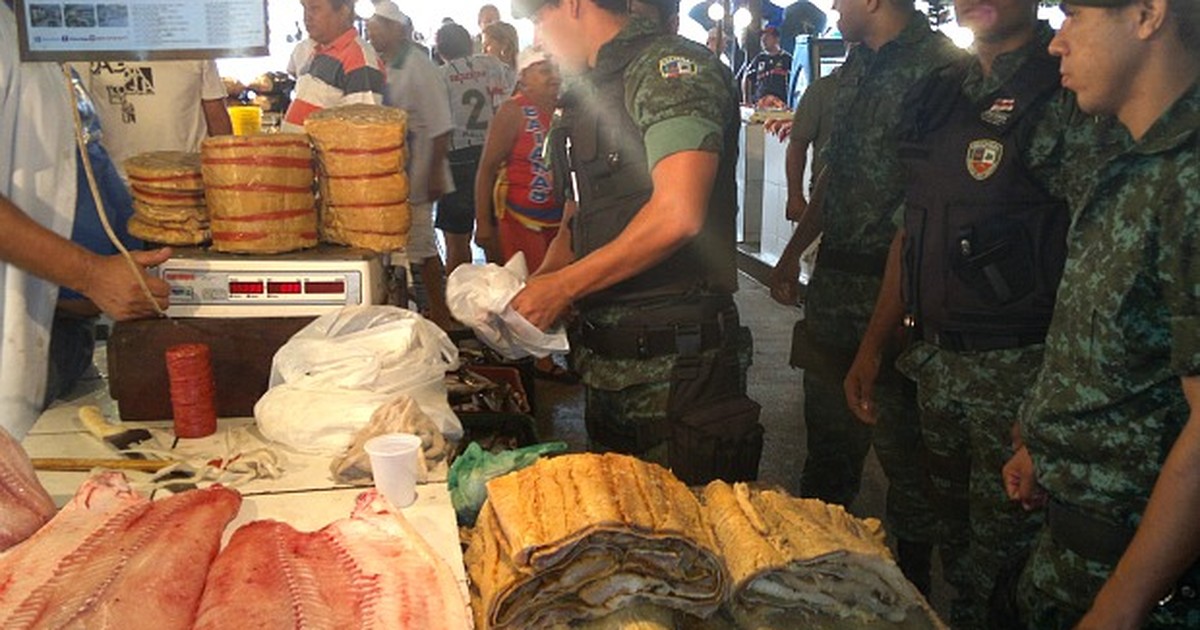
(24, 504)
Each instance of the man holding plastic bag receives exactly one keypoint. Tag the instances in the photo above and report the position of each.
(648, 257)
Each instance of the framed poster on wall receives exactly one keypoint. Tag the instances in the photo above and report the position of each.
(100, 30)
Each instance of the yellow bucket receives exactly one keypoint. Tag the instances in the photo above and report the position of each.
(246, 119)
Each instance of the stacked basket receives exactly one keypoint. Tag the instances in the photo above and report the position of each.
(168, 198)
(364, 191)
(260, 193)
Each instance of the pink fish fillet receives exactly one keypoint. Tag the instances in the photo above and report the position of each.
(112, 559)
(24, 504)
(372, 570)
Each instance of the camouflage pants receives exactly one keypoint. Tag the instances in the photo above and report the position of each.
(838, 442)
(969, 402)
(1057, 586)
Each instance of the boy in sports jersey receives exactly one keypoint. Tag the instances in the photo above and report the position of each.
(478, 84)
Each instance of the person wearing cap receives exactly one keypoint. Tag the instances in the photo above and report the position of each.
(765, 78)
(516, 206)
(664, 13)
(333, 66)
(1109, 437)
(854, 202)
(415, 85)
(981, 143)
(647, 258)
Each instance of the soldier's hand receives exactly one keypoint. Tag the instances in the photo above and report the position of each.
(111, 285)
(859, 387)
(797, 205)
(543, 300)
(1020, 481)
(785, 282)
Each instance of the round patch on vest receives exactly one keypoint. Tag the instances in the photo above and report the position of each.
(674, 66)
(983, 158)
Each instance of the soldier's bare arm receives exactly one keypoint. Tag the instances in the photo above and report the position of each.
(881, 331)
(1167, 541)
(673, 216)
(784, 280)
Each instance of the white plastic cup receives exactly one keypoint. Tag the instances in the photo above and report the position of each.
(394, 466)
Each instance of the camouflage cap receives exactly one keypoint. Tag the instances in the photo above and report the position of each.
(525, 8)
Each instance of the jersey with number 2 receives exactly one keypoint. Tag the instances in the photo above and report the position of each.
(478, 85)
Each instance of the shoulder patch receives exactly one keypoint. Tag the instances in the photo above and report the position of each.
(674, 66)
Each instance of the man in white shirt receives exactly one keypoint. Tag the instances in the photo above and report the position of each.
(156, 105)
(415, 85)
(37, 210)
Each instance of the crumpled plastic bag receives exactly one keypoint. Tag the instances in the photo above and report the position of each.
(331, 376)
(479, 296)
(471, 471)
(400, 415)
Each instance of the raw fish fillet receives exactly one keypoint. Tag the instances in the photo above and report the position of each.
(24, 504)
(113, 559)
(372, 570)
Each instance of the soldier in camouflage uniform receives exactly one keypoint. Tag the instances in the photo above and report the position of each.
(977, 351)
(1112, 426)
(648, 255)
(863, 184)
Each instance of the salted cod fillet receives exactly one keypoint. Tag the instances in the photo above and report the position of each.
(578, 537)
(805, 561)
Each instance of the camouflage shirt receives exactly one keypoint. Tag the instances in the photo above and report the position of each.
(866, 178)
(683, 99)
(1108, 404)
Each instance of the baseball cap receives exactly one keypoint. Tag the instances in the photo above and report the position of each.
(1098, 3)
(388, 10)
(529, 56)
(770, 30)
(526, 8)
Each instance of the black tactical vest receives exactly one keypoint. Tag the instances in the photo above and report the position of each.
(984, 243)
(612, 173)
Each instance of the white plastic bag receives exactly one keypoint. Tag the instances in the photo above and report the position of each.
(479, 296)
(332, 375)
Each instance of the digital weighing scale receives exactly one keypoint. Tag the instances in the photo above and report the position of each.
(296, 284)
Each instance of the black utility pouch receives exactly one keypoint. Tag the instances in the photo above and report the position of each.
(714, 427)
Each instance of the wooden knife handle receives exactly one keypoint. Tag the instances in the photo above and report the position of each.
(85, 464)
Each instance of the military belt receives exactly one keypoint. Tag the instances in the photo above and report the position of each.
(1105, 542)
(644, 342)
(1088, 536)
(852, 262)
(979, 342)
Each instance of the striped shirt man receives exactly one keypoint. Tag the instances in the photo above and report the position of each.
(345, 71)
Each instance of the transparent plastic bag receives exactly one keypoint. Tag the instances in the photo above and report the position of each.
(360, 357)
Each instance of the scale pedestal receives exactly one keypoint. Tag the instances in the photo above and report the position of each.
(241, 350)
(244, 308)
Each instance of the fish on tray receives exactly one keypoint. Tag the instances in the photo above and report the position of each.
(24, 503)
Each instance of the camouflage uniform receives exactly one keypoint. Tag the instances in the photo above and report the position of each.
(969, 400)
(1107, 406)
(866, 186)
(681, 98)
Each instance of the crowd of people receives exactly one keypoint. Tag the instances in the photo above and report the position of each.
(1001, 304)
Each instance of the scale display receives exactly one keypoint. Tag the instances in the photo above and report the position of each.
(213, 285)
